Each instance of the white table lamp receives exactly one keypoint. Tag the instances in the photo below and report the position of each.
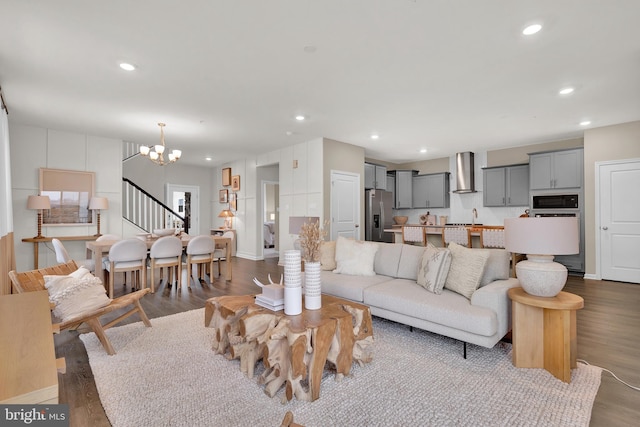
(95, 204)
(541, 239)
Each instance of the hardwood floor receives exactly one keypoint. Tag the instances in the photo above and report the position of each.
(608, 329)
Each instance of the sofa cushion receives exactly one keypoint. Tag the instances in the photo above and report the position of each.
(467, 267)
(387, 259)
(349, 287)
(355, 257)
(433, 269)
(448, 309)
(328, 255)
(497, 267)
(409, 261)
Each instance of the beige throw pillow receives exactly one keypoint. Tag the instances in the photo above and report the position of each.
(467, 267)
(328, 255)
(355, 257)
(433, 269)
(76, 294)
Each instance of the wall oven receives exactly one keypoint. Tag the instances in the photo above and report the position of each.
(563, 205)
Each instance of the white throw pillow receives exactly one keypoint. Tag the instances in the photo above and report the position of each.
(467, 266)
(328, 255)
(76, 294)
(355, 257)
(434, 268)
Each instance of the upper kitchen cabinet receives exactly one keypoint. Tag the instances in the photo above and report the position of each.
(404, 188)
(506, 185)
(375, 176)
(431, 191)
(556, 169)
(391, 186)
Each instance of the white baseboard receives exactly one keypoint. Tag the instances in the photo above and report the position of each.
(592, 276)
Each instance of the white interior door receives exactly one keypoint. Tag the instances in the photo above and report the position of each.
(176, 196)
(619, 220)
(345, 205)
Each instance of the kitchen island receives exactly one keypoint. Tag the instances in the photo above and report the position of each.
(434, 233)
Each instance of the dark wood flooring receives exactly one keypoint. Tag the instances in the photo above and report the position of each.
(608, 336)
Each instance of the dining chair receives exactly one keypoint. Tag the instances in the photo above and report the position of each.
(166, 252)
(459, 235)
(63, 257)
(492, 238)
(128, 255)
(200, 251)
(220, 253)
(414, 234)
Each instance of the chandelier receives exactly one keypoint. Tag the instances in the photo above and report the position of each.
(157, 156)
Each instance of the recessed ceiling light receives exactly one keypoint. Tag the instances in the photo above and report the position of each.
(375, 136)
(127, 67)
(585, 123)
(208, 159)
(531, 29)
(289, 133)
(423, 150)
(566, 90)
(310, 49)
(300, 117)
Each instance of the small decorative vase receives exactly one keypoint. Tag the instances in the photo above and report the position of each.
(292, 283)
(312, 286)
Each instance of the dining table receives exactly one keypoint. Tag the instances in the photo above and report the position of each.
(97, 249)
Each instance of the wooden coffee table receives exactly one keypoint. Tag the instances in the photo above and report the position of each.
(293, 349)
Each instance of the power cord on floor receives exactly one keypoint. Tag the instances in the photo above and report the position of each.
(614, 375)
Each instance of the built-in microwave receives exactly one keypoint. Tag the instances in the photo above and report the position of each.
(555, 201)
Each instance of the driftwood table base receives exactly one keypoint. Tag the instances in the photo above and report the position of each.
(293, 349)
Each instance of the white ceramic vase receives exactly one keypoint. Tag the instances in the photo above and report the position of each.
(292, 283)
(312, 286)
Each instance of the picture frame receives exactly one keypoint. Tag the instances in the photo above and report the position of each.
(224, 196)
(233, 201)
(235, 183)
(69, 192)
(226, 177)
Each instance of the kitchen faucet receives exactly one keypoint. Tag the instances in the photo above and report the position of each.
(474, 215)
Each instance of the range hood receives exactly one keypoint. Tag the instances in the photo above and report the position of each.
(465, 182)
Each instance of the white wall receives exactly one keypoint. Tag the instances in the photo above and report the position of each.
(34, 147)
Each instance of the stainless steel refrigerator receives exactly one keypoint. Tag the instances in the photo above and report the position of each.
(378, 215)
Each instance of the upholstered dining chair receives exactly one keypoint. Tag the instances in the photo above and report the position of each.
(459, 235)
(200, 251)
(414, 234)
(220, 253)
(63, 257)
(128, 255)
(166, 252)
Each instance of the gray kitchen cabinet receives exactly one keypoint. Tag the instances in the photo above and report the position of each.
(404, 188)
(506, 186)
(556, 169)
(391, 186)
(375, 176)
(431, 190)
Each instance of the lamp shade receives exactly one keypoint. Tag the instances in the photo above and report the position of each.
(542, 236)
(38, 202)
(98, 203)
(226, 213)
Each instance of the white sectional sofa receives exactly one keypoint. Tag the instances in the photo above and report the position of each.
(393, 293)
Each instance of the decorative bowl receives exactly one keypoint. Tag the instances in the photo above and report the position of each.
(161, 232)
(400, 220)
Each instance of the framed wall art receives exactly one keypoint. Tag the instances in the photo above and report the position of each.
(226, 177)
(69, 193)
(224, 196)
(233, 201)
(235, 183)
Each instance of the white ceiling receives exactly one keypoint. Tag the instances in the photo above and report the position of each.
(228, 77)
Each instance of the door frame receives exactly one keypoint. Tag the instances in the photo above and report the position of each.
(598, 240)
(195, 202)
(358, 232)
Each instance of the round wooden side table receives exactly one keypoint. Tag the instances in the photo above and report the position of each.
(544, 332)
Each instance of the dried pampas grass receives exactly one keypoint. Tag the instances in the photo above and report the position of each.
(311, 237)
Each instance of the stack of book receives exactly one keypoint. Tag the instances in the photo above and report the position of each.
(271, 304)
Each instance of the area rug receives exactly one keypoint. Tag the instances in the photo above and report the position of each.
(168, 375)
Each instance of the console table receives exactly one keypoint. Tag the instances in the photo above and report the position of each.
(37, 240)
(544, 332)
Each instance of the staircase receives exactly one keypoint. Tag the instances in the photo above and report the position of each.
(146, 212)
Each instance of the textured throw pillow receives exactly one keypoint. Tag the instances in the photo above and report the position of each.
(467, 266)
(355, 257)
(433, 269)
(76, 294)
(328, 255)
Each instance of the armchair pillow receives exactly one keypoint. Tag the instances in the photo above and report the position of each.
(434, 268)
(467, 267)
(75, 294)
(355, 257)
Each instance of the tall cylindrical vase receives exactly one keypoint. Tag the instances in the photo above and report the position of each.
(312, 286)
(292, 283)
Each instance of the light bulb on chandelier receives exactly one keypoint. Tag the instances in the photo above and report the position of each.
(157, 156)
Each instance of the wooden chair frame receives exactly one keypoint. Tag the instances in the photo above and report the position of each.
(33, 280)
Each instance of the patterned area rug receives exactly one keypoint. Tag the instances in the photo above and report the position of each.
(168, 375)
